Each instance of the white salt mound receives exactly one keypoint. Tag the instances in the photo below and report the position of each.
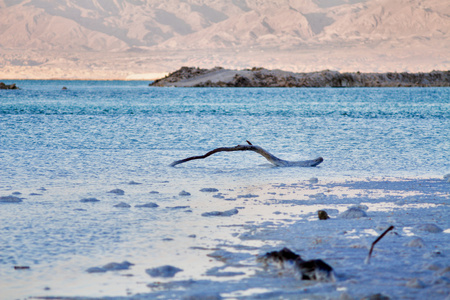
(416, 243)
(415, 283)
(432, 228)
(353, 213)
(447, 177)
(360, 206)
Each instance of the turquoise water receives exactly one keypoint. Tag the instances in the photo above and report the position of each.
(98, 127)
(59, 146)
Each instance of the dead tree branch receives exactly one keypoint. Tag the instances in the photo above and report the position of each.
(250, 147)
(376, 241)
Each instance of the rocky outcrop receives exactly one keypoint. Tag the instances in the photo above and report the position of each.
(260, 77)
(4, 86)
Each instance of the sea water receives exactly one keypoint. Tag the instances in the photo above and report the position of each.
(58, 146)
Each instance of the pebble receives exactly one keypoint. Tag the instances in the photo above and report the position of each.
(117, 192)
(10, 199)
(360, 206)
(123, 205)
(432, 228)
(226, 213)
(353, 213)
(85, 200)
(209, 190)
(322, 215)
(163, 271)
(149, 205)
(184, 193)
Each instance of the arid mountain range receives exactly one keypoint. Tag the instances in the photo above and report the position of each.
(141, 39)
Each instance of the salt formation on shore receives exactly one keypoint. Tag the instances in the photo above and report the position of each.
(260, 77)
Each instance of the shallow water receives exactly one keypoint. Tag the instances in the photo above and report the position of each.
(97, 136)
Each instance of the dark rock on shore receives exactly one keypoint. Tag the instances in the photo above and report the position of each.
(260, 77)
(4, 86)
(315, 269)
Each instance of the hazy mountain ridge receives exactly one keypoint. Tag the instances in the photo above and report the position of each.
(66, 33)
(115, 25)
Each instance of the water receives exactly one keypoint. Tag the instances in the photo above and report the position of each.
(96, 136)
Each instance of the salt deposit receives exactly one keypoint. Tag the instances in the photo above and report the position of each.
(117, 192)
(88, 200)
(226, 213)
(148, 205)
(122, 205)
(353, 213)
(10, 199)
(184, 193)
(164, 271)
(209, 190)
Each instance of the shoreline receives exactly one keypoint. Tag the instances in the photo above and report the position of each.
(408, 262)
(261, 77)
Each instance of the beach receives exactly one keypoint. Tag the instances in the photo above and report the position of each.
(218, 254)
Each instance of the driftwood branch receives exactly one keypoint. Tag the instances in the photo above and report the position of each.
(250, 147)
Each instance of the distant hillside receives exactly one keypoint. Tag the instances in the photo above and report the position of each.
(120, 25)
(62, 38)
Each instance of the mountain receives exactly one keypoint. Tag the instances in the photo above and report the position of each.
(118, 38)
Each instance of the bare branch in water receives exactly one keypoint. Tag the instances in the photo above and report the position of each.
(250, 147)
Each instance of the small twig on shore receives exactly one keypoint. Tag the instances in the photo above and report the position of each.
(376, 241)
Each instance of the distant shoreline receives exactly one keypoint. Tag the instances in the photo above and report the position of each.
(260, 77)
